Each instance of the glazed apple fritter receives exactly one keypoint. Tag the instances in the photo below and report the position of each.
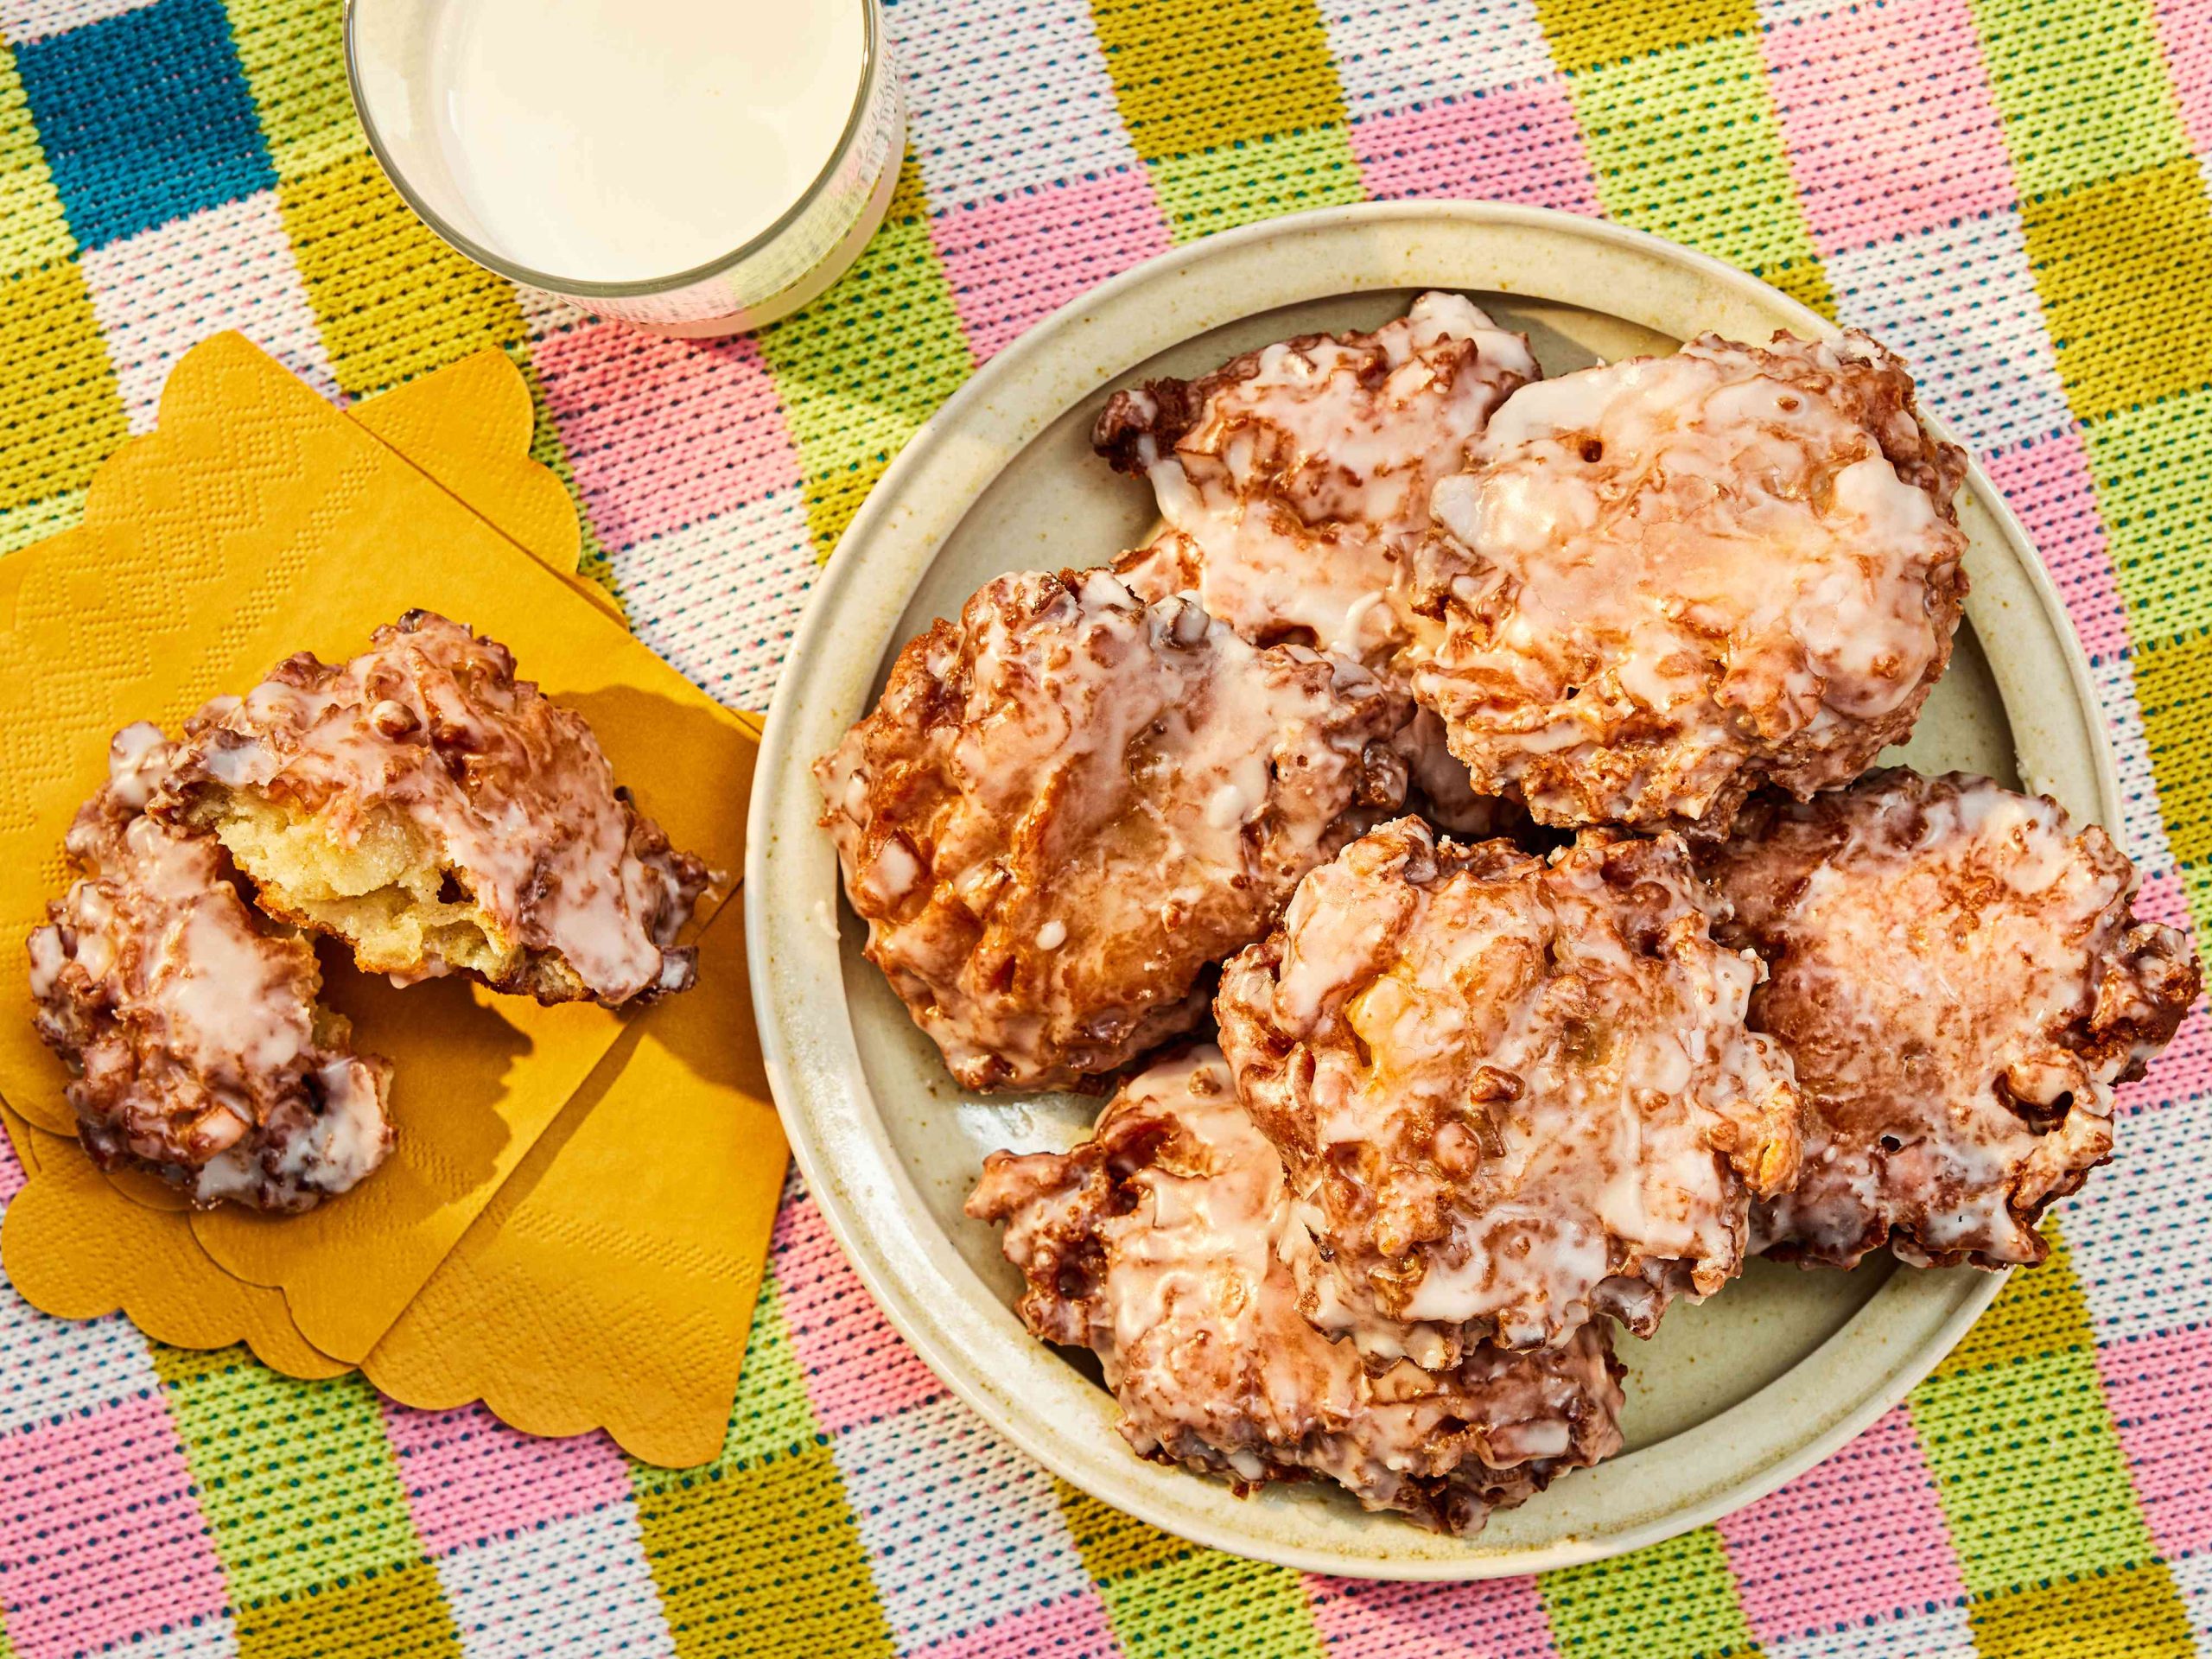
(1070, 804)
(1164, 1243)
(1511, 1093)
(190, 1022)
(440, 816)
(1960, 982)
(1294, 480)
(1669, 580)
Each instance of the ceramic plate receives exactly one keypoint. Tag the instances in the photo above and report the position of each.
(1733, 1398)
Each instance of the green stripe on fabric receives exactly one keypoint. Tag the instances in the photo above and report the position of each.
(1676, 1600)
(2154, 490)
(864, 365)
(33, 230)
(762, 1559)
(36, 520)
(2083, 89)
(1209, 1605)
(1255, 179)
(1192, 75)
(2014, 1426)
(2126, 1613)
(2196, 888)
(295, 62)
(299, 1485)
(772, 1416)
(1684, 143)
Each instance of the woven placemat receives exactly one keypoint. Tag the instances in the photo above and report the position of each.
(2011, 191)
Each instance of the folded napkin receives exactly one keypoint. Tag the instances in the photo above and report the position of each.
(573, 1224)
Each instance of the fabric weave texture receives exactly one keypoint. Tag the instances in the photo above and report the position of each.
(2016, 194)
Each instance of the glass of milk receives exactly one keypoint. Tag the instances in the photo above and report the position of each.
(694, 166)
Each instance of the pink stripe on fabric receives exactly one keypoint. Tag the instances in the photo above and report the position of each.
(1517, 144)
(661, 433)
(1888, 121)
(1073, 1627)
(1496, 1618)
(2163, 898)
(858, 1368)
(12, 1179)
(2183, 1070)
(2160, 1391)
(1014, 259)
(101, 1537)
(2185, 31)
(2047, 484)
(1873, 1501)
(470, 1478)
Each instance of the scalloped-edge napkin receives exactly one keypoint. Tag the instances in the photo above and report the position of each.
(612, 1288)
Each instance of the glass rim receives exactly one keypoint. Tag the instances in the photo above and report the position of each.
(871, 65)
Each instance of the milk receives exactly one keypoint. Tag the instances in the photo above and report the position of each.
(612, 141)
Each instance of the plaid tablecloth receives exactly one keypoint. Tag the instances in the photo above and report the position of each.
(2013, 192)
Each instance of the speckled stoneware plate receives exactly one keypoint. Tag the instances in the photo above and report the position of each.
(1733, 1398)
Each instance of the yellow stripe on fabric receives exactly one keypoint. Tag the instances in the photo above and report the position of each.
(2153, 470)
(1209, 1605)
(61, 414)
(2130, 1612)
(33, 230)
(299, 1487)
(762, 1559)
(2040, 1312)
(1586, 33)
(1112, 1545)
(294, 63)
(2124, 270)
(1684, 143)
(1199, 75)
(757, 1552)
(2173, 684)
(1676, 1600)
(2027, 1464)
(2081, 87)
(1255, 179)
(399, 1613)
(864, 365)
(392, 300)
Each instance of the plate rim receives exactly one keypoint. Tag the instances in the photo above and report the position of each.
(873, 1212)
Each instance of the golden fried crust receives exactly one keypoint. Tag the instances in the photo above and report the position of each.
(190, 1022)
(1510, 1093)
(1961, 983)
(1067, 807)
(1294, 480)
(1165, 1243)
(1668, 581)
(441, 817)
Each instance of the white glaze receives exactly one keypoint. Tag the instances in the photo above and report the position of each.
(1064, 809)
(1512, 1094)
(1169, 1245)
(1952, 965)
(1668, 578)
